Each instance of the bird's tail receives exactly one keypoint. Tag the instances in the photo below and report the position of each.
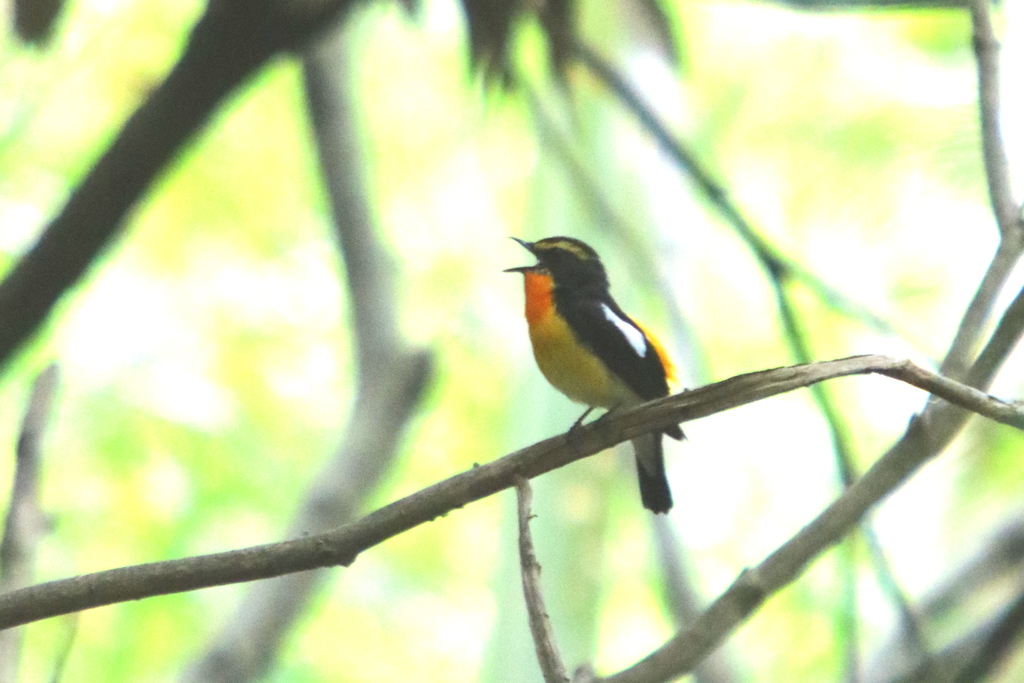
(650, 469)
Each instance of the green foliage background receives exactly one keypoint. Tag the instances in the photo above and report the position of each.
(207, 370)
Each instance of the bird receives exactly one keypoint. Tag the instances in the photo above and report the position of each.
(590, 350)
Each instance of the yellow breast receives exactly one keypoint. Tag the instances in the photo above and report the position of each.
(572, 368)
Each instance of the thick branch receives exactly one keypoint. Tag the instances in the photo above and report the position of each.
(341, 546)
(230, 42)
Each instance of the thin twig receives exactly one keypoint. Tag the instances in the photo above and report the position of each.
(1004, 207)
(975, 320)
(60, 660)
(548, 656)
(341, 546)
(1004, 338)
(997, 168)
(775, 264)
(26, 523)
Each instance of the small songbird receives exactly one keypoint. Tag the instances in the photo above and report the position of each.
(591, 351)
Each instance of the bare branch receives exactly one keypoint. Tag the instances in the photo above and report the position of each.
(26, 523)
(975, 319)
(1004, 207)
(341, 546)
(548, 656)
(997, 169)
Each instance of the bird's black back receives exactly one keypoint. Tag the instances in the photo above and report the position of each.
(644, 375)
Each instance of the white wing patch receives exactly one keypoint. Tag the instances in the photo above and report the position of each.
(634, 336)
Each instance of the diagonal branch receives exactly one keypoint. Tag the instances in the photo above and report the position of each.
(1004, 207)
(683, 601)
(778, 267)
(341, 546)
(231, 41)
(927, 434)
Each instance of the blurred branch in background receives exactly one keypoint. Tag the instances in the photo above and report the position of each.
(26, 523)
(911, 624)
(1005, 209)
(840, 5)
(34, 19)
(232, 40)
(997, 569)
(993, 643)
(392, 378)
(684, 601)
(778, 267)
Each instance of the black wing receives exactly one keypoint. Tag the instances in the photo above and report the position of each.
(588, 317)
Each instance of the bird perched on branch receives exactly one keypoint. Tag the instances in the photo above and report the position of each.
(591, 351)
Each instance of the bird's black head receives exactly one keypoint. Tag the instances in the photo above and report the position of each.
(571, 263)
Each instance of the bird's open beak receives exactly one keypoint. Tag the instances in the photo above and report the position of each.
(521, 269)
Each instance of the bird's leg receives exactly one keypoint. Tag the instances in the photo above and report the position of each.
(574, 431)
(614, 409)
(579, 423)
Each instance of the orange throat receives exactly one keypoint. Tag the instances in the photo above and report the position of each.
(538, 296)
